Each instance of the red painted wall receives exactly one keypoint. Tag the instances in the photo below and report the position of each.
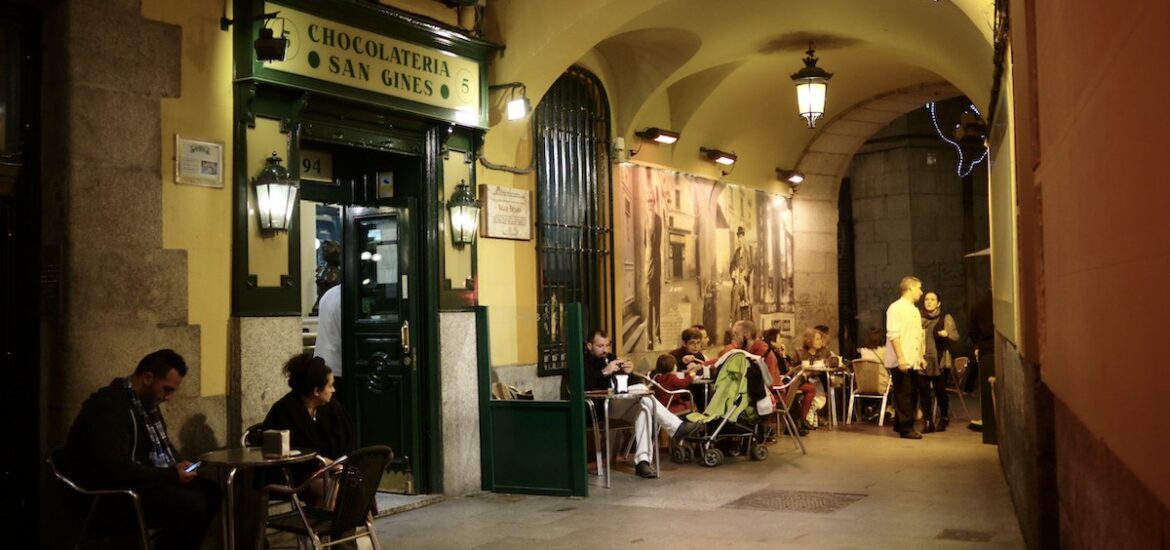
(1101, 84)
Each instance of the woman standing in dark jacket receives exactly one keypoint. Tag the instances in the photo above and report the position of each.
(932, 381)
(313, 418)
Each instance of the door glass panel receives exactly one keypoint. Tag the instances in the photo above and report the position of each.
(378, 238)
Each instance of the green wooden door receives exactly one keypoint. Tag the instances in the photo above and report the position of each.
(379, 315)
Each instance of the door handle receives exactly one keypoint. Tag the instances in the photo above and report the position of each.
(405, 334)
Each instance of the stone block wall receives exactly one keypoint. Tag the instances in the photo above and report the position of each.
(459, 380)
(258, 348)
(908, 218)
(1027, 444)
(122, 295)
(1102, 503)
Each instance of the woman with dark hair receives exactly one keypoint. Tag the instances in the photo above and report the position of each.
(313, 418)
(932, 381)
(874, 346)
(777, 356)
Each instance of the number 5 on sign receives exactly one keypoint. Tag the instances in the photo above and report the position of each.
(316, 166)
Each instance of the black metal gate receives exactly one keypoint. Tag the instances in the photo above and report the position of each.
(574, 225)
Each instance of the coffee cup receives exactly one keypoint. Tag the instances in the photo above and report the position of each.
(621, 383)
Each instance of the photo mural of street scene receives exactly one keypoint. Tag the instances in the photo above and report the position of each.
(699, 251)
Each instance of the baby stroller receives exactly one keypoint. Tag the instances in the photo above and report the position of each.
(730, 425)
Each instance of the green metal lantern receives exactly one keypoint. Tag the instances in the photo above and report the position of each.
(276, 194)
(464, 211)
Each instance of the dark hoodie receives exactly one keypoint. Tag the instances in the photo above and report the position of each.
(109, 446)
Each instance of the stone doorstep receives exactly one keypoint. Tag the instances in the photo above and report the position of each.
(394, 503)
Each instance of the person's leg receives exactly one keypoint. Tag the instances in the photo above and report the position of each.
(182, 512)
(903, 390)
(809, 391)
(632, 411)
(925, 396)
(662, 415)
(940, 393)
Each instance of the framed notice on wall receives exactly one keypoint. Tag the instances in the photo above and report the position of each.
(506, 213)
(198, 161)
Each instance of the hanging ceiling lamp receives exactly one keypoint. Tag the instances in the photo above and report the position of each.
(812, 87)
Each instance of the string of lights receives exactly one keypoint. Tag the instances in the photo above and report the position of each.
(958, 147)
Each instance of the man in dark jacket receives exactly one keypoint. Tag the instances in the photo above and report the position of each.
(119, 440)
(600, 368)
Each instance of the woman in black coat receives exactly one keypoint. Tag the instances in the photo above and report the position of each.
(313, 418)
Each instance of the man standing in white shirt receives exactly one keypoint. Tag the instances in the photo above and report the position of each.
(328, 346)
(905, 354)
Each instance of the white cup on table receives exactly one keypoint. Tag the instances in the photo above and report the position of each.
(621, 383)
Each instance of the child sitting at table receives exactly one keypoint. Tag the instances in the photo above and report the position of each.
(667, 375)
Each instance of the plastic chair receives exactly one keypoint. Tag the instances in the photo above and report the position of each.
(786, 395)
(357, 478)
(868, 384)
(55, 458)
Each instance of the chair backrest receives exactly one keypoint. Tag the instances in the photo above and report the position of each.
(791, 389)
(961, 365)
(357, 487)
(253, 436)
(868, 377)
(57, 459)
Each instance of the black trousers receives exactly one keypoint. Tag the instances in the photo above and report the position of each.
(932, 388)
(182, 512)
(905, 392)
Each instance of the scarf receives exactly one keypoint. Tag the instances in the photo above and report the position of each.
(160, 452)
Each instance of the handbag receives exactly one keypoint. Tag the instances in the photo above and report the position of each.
(764, 406)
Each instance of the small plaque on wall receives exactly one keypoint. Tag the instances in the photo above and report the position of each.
(316, 166)
(506, 213)
(198, 161)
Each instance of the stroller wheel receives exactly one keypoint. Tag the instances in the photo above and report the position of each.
(712, 457)
(759, 452)
(688, 454)
(678, 455)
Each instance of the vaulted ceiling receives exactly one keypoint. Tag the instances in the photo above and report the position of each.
(718, 71)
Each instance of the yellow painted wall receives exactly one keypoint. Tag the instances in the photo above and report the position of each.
(198, 219)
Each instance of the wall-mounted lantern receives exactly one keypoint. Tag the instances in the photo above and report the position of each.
(276, 194)
(464, 211)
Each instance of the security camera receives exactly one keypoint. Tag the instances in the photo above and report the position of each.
(269, 48)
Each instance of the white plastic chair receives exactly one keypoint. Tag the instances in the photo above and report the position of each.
(867, 384)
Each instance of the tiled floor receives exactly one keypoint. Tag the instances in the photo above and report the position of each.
(944, 491)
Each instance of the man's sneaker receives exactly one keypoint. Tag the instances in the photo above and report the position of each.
(643, 469)
(911, 435)
(684, 431)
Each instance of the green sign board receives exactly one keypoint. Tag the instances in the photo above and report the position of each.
(341, 54)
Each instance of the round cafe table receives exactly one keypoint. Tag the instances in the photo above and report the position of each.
(233, 460)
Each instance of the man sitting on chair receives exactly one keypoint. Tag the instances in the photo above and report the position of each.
(119, 440)
(600, 368)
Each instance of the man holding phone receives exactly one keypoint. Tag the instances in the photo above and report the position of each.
(119, 440)
(600, 367)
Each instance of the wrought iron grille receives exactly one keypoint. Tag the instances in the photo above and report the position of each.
(574, 225)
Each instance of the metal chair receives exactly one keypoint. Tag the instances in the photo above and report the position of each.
(357, 478)
(958, 377)
(868, 384)
(786, 395)
(253, 436)
(55, 458)
(674, 394)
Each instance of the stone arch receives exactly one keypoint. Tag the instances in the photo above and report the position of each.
(824, 162)
(826, 158)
